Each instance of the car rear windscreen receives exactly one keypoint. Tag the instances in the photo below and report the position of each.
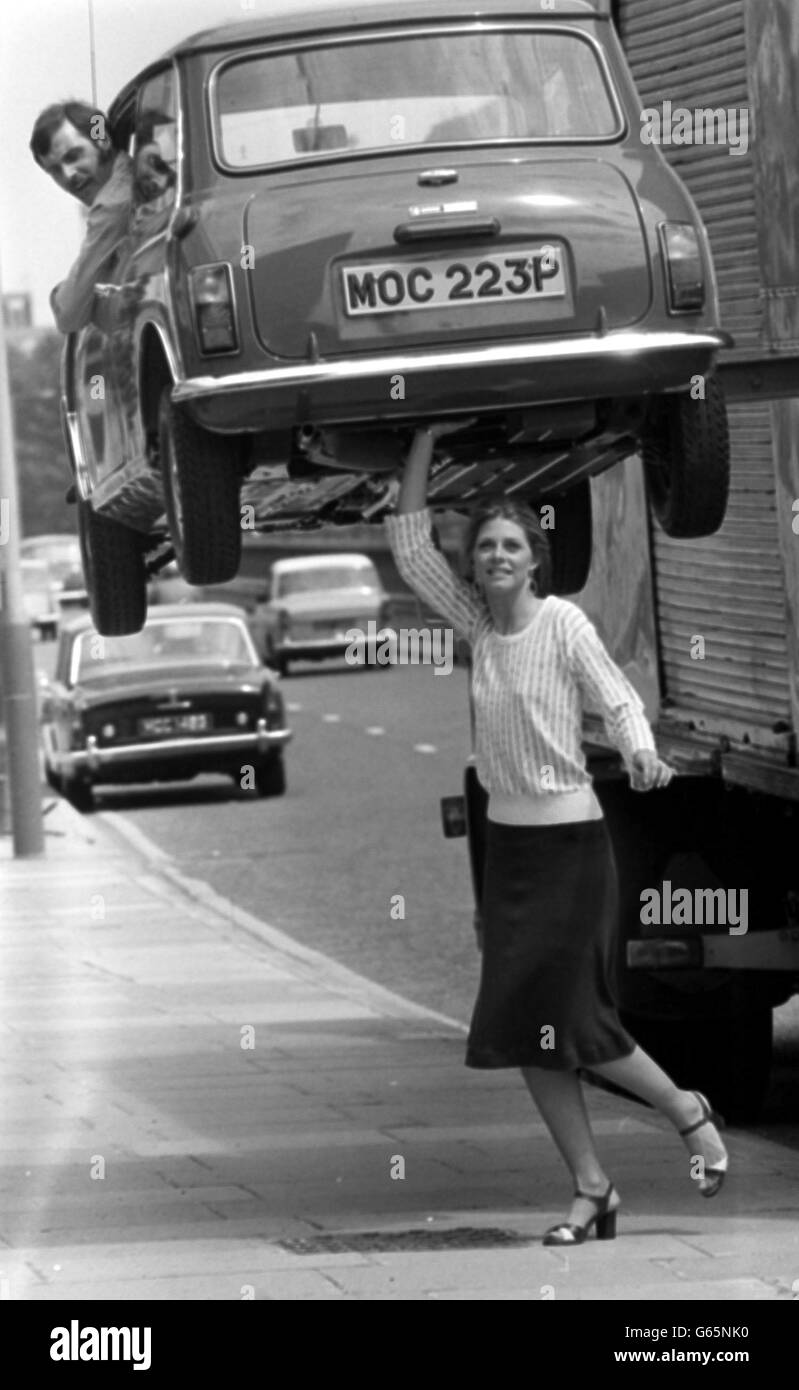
(429, 89)
(318, 580)
(166, 642)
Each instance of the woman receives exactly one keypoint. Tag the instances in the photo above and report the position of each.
(545, 1002)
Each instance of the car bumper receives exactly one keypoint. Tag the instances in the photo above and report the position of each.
(311, 648)
(206, 752)
(470, 378)
(331, 644)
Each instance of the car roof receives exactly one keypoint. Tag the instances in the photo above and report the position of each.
(51, 539)
(287, 18)
(186, 611)
(285, 21)
(308, 562)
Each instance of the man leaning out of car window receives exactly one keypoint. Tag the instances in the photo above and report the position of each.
(70, 142)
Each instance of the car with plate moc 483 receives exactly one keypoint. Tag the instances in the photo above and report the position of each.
(365, 219)
(186, 694)
(314, 601)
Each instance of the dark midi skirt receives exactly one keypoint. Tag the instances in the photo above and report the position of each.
(549, 912)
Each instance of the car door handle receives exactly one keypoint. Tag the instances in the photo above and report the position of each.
(438, 228)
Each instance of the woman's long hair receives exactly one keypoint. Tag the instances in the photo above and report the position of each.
(530, 524)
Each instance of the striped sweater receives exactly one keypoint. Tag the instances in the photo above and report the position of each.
(529, 688)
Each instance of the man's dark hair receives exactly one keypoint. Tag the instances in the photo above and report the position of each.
(85, 118)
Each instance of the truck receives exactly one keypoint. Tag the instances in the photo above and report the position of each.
(708, 629)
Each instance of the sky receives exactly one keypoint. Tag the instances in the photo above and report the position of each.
(45, 57)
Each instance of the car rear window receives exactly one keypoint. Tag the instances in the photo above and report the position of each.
(319, 579)
(163, 642)
(428, 89)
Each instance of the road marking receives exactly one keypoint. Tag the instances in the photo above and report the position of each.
(293, 707)
(331, 718)
(375, 730)
(425, 748)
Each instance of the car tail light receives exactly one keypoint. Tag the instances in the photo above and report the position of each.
(211, 292)
(78, 732)
(682, 258)
(273, 707)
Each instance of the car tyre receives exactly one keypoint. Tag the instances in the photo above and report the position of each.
(80, 795)
(270, 776)
(276, 661)
(202, 479)
(113, 565)
(53, 779)
(686, 455)
(571, 539)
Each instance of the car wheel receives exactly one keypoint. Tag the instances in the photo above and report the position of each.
(113, 565)
(270, 776)
(570, 540)
(686, 454)
(53, 779)
(80, 795)
(202, 478)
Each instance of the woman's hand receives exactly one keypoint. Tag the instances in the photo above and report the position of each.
(413, 486)
(438, 428)
(648, 771)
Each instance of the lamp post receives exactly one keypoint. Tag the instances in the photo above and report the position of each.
(16, 656)
(92, 56)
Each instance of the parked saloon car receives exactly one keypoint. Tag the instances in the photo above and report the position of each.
(314, 600)
(187, 694)
(361, 219)
(61, 553)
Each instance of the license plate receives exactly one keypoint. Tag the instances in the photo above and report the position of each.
(159, 724)
(392, 287)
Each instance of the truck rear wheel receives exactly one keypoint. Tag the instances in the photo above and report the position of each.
(729, 1059)
(202, 478)
(686, 454)
(113, 566)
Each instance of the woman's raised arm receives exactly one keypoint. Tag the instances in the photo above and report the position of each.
(420, 563)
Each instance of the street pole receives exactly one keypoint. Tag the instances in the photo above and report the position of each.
(92, 54)
(16, 654)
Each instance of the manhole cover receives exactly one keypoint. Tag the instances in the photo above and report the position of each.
(459, 1238)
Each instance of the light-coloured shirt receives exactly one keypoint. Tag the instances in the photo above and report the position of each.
(106, 225)
(529, 688)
